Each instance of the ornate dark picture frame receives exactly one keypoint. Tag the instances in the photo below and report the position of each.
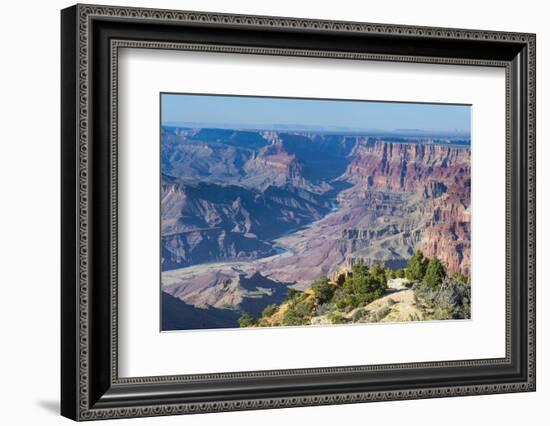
(90, 385)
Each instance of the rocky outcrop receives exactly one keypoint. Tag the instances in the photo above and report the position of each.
(441, 175)
(414, 167)
(272, 165)
(450, 242)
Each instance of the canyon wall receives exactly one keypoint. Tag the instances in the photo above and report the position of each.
(440, 175)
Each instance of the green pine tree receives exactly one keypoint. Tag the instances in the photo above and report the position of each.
(322, 289)
(416, 268)
(435, 273)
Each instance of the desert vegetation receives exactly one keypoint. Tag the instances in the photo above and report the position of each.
(364, 294)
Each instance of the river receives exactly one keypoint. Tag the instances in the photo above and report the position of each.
(282, 250)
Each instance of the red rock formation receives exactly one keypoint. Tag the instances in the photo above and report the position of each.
(391, 166)
(272, 165)
(441, 175)
(451, 244)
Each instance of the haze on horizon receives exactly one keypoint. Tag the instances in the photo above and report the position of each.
(247, 112)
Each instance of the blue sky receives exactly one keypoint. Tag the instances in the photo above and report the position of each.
(330, 115)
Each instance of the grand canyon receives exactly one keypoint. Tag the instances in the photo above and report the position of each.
(249, 217)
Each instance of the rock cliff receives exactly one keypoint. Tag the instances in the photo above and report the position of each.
(440, 175)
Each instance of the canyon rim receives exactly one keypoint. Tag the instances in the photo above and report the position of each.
(287, 212)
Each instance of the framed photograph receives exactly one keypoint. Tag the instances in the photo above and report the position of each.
(263, 212)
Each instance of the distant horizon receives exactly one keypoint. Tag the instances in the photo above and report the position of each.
(315, 115)
(335, 130)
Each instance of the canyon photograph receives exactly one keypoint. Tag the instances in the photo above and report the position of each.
(312, 212)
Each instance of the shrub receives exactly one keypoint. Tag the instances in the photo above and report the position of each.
(269, 310)
(456, 296)
(344, 300)
(366, 287)
(299, 312)
(359, 269)
(292, 318)
(361, 287)
(247, 320)
(435, 273)
(305, 308)
(337, 318)
(442, 313)
(460, 277)
(378, 271)
(359, 284)
(324, 309)
(358, 315)
(390, 274)
(400, 273)
(413, 317)
(450, 300)
(416, 268)
(292, 293)
(381, 313)
(340, 280)
(322, 289)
